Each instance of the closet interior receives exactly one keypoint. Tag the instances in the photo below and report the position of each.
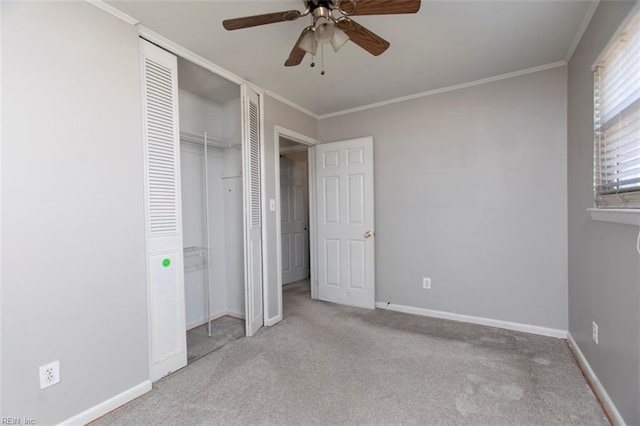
(212, 209)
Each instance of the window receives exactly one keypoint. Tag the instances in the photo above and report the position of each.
(617, 121)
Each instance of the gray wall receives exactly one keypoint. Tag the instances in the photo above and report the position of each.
(604, 271)
(471, 191)
(277, 113)
(72, 209)
(1, 221)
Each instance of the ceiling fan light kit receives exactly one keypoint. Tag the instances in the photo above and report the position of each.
(309, 43)
(326, 28)
(323, 30)
(339, 39)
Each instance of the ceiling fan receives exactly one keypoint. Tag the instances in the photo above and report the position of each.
(332, 24)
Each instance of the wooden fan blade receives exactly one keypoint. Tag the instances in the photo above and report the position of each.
(364, 38)
(380, 7)
(267, 18)
(297, 55)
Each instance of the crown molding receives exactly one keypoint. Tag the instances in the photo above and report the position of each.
(113, 11)
(176, 49)
(448, 89)
(207, 64)
(581, 29)
(187, 54)
(291, 104)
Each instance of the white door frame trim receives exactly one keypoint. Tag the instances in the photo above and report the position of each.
(310, 143)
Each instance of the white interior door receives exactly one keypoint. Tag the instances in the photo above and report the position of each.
(294, 224)
(345, 222)
(165, 268)
(252, 172)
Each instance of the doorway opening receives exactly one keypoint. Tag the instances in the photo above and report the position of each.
(294, 211)
(295, 216)
(341, 220)
(212, 206)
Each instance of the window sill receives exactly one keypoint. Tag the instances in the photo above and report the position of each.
(622, 216)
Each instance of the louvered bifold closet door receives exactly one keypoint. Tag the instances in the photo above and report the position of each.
(252, 151)
(165, 270)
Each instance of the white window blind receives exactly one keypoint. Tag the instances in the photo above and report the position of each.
(617, 122)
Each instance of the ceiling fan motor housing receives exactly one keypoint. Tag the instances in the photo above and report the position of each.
(324, 8)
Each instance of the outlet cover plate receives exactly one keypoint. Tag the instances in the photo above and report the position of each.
(594, 332)
(426, 283)
(49, 374)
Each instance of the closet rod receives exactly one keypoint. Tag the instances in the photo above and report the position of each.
(199, 139)
(206, 225)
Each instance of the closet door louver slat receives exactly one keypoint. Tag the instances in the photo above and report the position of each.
(254, 123)
(161, 150)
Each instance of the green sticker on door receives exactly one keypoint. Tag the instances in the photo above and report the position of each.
(166, 262)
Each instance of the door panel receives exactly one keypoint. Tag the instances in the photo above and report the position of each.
(333, 267)
(166, 305)
(344, 187)
(332, 199)
(255, 262)
(286, 254)
(299, 250)
(355, 195)
(356, 264)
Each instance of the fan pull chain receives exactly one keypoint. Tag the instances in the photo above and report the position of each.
(322, 58)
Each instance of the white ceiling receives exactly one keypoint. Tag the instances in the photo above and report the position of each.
(445, 44)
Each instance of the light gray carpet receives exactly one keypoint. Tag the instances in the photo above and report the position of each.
(223, 331)
(331, 364)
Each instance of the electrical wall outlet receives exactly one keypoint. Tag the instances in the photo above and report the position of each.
(594, 332)
(426, 283)
(49, 374)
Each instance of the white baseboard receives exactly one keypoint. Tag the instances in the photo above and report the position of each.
(110, 404)
(597, 386)
(239, 315)
(525, 328)
(214, 316)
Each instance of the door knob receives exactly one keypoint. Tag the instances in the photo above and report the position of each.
(368, 234)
